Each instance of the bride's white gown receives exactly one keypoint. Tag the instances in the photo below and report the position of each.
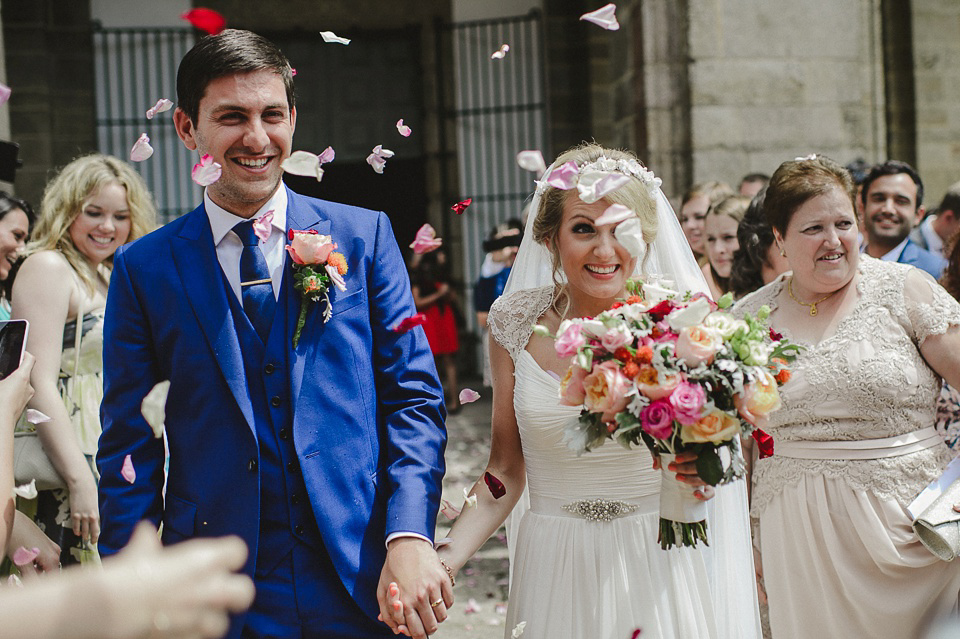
(576, 578)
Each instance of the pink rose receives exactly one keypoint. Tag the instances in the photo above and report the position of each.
(654, 384)
(687, 401)
(616, 337)
(656, 419)
(309, 247)
(759, 398)
(569, 341)
(572, 392)
(605, 390)
(697, 345)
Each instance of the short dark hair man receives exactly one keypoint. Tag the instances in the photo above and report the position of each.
(892, 198)
(938, 227)
(325, 455)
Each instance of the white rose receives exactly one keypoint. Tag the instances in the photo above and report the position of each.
(692, 314)
(593, 328)
(725, 324)
(655, 294)
(758, 355)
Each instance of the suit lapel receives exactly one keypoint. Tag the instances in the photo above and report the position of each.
(196, 261)
(301, 217)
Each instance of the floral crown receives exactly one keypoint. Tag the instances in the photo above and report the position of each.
(598, 173)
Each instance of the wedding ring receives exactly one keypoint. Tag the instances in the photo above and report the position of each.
(436, 603)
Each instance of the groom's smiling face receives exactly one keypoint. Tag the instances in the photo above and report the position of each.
(245, 124)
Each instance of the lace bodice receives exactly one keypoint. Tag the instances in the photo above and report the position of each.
(513, 316)
(868, 380)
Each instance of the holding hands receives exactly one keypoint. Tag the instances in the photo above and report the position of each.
(415, 590)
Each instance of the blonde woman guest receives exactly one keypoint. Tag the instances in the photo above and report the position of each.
(720, 230)
(855, 440)
(693, 211)
(93, 206)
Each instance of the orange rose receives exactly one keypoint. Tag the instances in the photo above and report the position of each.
(759, 398)
(716, 428)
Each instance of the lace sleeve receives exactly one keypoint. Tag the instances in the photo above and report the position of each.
(512, 317)
(930, 309)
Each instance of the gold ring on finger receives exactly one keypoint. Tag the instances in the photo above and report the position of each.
(436, 603)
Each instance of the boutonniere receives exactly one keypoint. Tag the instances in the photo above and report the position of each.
(311, 251)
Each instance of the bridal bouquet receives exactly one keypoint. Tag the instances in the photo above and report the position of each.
(678, 373)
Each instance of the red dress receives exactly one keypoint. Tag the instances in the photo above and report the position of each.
(441, 329)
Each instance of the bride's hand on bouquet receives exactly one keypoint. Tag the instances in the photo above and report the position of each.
(685, 466)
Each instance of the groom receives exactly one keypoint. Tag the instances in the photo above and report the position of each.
(327, 457)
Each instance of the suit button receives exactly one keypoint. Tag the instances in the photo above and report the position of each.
(269, 368)
(298, 529)
(275, 401)
(295, 499)
(252, 466)
(283, 433)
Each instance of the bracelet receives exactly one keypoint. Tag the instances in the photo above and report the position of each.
(453, 582)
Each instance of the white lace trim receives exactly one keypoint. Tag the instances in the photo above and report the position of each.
(512, 317)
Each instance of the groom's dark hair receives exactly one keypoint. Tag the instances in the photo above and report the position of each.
(230, 51)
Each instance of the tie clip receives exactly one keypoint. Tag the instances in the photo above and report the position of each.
(255, 282)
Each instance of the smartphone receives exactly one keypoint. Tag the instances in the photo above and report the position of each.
(13, 341)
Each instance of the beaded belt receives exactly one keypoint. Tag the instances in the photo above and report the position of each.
(860, 448)
(600, 509)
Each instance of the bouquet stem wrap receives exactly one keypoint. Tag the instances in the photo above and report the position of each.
(683, 517)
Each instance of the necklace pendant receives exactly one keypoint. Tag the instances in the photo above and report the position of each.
(813, 310)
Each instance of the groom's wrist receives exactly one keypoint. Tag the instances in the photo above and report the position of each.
(406, 535)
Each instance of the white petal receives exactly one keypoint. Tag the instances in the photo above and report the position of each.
(301, 163)
(330, 36)
(532, 161)
(27, 491)
(153, 407)
(141, 149)
(603, 17)
(518, 630)
(468, 499)
(614, 214)
(36, 417)
(162, 105)
(403, 129)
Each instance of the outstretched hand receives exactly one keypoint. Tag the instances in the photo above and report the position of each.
(423, 588)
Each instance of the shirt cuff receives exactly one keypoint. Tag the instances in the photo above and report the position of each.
(398, 535)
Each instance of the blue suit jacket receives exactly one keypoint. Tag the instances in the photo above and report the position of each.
(922, 259)
(367, 406)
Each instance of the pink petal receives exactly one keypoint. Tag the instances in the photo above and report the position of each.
(471, 607)
(461, 206)
(4, 93)
(610, 184)
(564, 177)
(532, 161)
(23, 556)
(330, 36)
(499, 53)
(293, 72)
(449, 510)
(403, 129)
(614, 214)
(206, 171)
(162, 105)
(127, 471)
(468, 396)
(378, 158)
(426, 240)
(263, 225)
(603, 17)
(206, 20)
(36, 417)
(327, 155)
(141, 149)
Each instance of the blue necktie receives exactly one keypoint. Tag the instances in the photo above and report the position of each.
(256, 287)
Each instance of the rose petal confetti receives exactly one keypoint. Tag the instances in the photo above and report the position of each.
(293, 72)
(141, 149)
(518, 630)
(468, 396)
(500, 609)
(36, 417)
(334, 273)
(532, 161)
(14, 580)
(449, 510)
(206, 171)
(501, 52)
(461, 206)
(403, 129)
(497, 489)
(25, 556)
(636, 633)
(26, 491)
(153, 407)
(614, 214)
(468, 499)
(262, 225)
(409, 322)
(127, 471)
(162, 105)
(378, 158)
(564, 177)
(472, 607)
(307, 164)
(4, 93)
(595, 185)
(330, 36)
(426, 240)
(204, 19)
(604, 17)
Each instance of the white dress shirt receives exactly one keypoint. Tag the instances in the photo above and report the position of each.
(229, 246)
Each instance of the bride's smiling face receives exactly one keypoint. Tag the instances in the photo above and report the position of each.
(596, 265)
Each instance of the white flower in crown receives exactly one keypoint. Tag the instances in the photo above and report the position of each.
(602, 164)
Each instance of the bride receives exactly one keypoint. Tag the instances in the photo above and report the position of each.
(572, 576)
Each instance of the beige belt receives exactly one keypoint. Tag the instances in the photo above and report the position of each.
(861, 448)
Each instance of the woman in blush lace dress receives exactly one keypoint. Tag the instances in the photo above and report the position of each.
(602, 576)
(855, 439)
